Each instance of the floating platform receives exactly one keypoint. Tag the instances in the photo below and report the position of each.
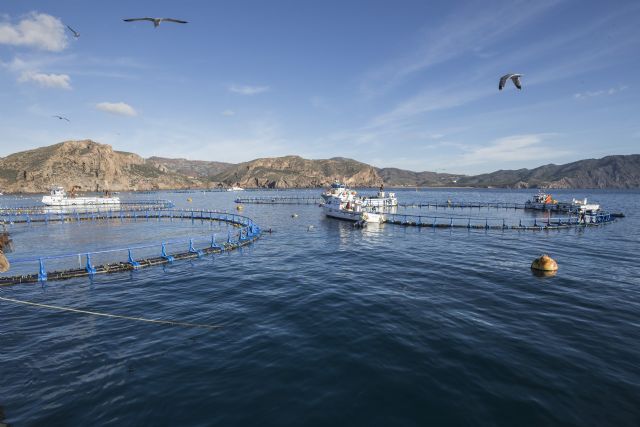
(493, 223)
(246, 232)
(280, 200)
(139, 205)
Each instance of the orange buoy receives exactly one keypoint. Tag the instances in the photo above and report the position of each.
(544, 263)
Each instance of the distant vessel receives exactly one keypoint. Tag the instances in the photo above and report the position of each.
(234, 188)
(381, 199)
(544, 201)
(58, 197)
(351, 209)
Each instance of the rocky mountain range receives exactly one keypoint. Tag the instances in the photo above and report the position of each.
(97, 167)
(607, 172)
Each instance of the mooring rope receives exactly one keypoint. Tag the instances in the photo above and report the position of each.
(116, 316)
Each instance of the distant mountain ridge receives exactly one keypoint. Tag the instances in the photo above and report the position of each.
(192, 168)
(296, 172)
(608, 172)
(97, 167)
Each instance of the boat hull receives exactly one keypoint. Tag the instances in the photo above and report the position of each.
(349, 215)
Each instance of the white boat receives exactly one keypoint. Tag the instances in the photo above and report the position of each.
(381, 199)
(544, 201)
(58, 197)
(337, 190)
(350, 209)
(234, 188)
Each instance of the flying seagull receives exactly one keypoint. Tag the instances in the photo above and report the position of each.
(515, 78)
(156, 21)
(75, 33)
(61, 118)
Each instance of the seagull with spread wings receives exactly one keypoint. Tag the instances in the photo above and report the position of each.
(156, 21)
(61, 118)
(515, 78)
(75, 33)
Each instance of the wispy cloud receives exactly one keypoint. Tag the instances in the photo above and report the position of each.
(513, 148)
(36, 30)
(607, 92)
(228, 113)
(466, 31)
(59, 81)
(118, 108)
(248, 90)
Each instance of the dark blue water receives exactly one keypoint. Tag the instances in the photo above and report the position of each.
(338, 326)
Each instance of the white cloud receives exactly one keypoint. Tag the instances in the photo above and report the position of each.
(608, 92)
(513, 148)
(248, 90)
(228, 113)
(60, 81)
(36, 30)
(119, 108)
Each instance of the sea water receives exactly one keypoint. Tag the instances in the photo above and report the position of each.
(324, 324)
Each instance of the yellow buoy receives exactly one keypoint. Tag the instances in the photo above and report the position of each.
(239, 207)
(544, 263)
(189, 199)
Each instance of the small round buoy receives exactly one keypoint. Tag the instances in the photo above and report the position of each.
(544, 263)
(239, 207)
(294, 215)
(189, 199)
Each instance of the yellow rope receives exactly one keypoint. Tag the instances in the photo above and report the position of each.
(117, 316)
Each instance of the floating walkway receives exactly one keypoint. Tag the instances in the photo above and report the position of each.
(492, 223)
(463, 205)
(246, 231)
(280, 200)
(127, 204)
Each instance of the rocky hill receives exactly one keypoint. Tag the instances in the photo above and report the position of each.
(404, 178)
(199, 169)
(608, 172)
(294, 171)
(92, 166)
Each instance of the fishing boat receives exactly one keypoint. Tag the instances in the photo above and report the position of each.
(235, 188)
(58, 197)
(350, 209)
(337, 189)
(544, 201)
(381, 199)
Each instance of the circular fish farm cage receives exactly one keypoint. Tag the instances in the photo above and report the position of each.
(42, 240)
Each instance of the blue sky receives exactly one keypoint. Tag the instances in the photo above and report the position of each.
(409, 84)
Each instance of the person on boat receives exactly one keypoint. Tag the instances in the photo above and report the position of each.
(548, 199)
